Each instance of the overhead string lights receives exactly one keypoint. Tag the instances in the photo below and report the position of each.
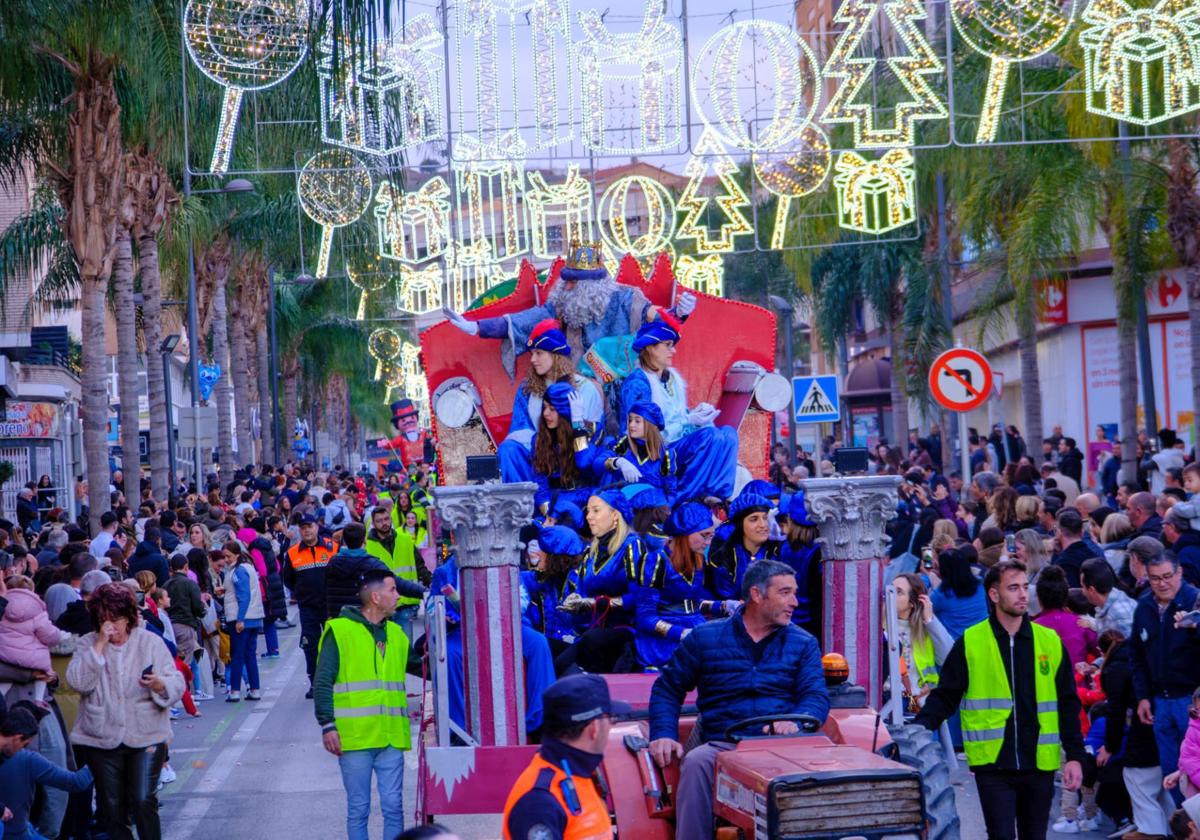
(1142, 66)
(419, 290)
(413, 226)
(654, 212)
(490, 196)
(702, 274)
(709, 155)
(1008, 31)
(243, 45)
(876, 196)
(913, 69)
(471, 269)
(558, 213)
(367, 272)
(334, 188)
(385, 102)
(646, 66)
(794, 175)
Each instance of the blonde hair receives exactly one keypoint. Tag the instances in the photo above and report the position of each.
(651, 437)
(146, 580)
(945, 528)
(1116, 527)
(1028, 508)
(561, 369)
(620, 532)
(1036, 555)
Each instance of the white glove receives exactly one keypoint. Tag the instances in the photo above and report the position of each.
(575, 404)
(469, 327)
(685, 304)
(702, 415)
(731, 606)
(627, 469)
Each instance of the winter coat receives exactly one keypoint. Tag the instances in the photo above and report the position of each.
(1135, 740)
(243, 596)
(1166, 659)
(26, 631)
(737, 679)
(1189, 753)
(1077, 640)
(148, 556)
(1187, 550)
(342, 580)
(1070, 464)
(276, 602)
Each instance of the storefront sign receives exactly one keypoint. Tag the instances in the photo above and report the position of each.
(30, 420)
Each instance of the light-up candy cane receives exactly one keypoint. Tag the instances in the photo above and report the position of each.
(334, 188)
(795, 175)
(243, 45)
(1007, 31)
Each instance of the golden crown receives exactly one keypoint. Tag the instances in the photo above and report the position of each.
(583, 255)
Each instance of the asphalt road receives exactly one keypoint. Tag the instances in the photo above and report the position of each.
(259, 770)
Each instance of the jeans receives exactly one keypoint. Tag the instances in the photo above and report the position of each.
(312, 622)
(1015, 803)
(126, 779)
(52, 744)
(1170, 727)
(242, 654)
(356, 766)
(404, 616)
(270, 635)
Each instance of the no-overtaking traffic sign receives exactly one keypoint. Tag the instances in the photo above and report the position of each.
(960, 379)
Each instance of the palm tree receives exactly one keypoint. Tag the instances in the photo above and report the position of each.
(125, 316)
(1183, 227)
(212, 277)
(239, 366)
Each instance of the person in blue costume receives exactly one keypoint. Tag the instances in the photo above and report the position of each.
(556, 553)
(670, 597)
(750, 541)
(567, 513)
(754, 487)
(802, 552)
(706, 454)
(539, 663)
(565, 464)
(599, 589)
(587, 300)
(549, 362)
(642, 459)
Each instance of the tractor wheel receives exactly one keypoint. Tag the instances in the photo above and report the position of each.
(920, 748)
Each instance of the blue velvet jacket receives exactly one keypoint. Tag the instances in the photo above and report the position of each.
(735, 681)
(666, 603)
(543, 613)
(658, 474)
(610, 576)
(590, 463)
(727, 563)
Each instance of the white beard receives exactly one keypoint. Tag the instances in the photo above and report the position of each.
(584, 304)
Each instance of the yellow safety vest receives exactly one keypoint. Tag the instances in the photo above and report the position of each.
(402, 560)
(370, 709)
(988, 701)
(923, 658)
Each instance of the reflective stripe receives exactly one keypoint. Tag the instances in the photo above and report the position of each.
(1050, 739)
(1047, 706)
(370, 711)
(982, 734)
(367, 685)
(409, 568)
(977, 703)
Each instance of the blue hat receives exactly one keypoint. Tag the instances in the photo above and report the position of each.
(748, 503)
(578, 699)
(308, 519)
(688, 518)
(649, 412)
(617, 500)
(758, 487)
(797, 510)
(548, 335)
(664, 328)
(584, 262)
(558, 395)
(561, 540)
(566, 512)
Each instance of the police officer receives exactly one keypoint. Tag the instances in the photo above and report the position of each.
(1013, 682)
(304, 573)
(556, 797)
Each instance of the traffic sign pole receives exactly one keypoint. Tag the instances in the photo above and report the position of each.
(964, 448)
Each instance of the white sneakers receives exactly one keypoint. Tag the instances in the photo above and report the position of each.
(1066, 826)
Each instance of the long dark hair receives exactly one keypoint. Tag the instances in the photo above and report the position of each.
(554, 452)
(198, 562)
(955, 571)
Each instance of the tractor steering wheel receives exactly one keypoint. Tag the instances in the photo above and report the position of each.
(808, 725)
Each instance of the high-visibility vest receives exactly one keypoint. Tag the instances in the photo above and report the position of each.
(402, 561)
(303, 557)
(923, 658)
(591, 823)
(370, 709)
(988, 701)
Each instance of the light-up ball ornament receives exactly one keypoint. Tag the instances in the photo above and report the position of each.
(366, 271)
(334, 188)
(244, 45)
(1008, 31)
(795, 174)
(768, 113)
(385, 346)
(655, 208)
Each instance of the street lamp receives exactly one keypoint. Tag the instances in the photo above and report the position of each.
(785, 309)
(166, 349)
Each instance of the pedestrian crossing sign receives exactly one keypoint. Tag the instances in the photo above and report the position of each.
(815, 399)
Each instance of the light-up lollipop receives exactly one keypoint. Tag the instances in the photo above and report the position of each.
(243, 45)
(334, 188)
(368, 273)
(797, 174)
(384, 345)
(1007, 31)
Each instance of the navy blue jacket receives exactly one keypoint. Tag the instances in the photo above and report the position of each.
(718, 659)
(342, 580)
(147, 556)
(1166, 661)
(1187, 551)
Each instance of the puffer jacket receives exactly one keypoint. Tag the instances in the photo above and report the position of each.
(718, 658)
(147, 556)
(26, 631)
(342, 578)
(276, 601)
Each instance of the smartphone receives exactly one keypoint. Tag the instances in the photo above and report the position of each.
(927, 557)
(1010, 544)
(1191, 619)
(148, 670)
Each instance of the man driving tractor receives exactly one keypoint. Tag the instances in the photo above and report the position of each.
(753, 665)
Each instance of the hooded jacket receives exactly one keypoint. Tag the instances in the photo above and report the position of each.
(342, 580)
(26, 631)
(148, 556)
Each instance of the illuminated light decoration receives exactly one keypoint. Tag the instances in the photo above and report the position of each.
(471, 270)
(477, 33)
(718, 85)
(794, 175)
(368, 273)
(567, 206)
(910, 69)
(1142, 66)
(658, 217)
(419, 290)
(413, 381)
(334, 188)
(384, 345)
(243, 45)
(730, 204)
(490, 196)
(415, 226)
(648, 63)
(1008, 31)
(878, 195)
(703, 274)
(388, 102)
